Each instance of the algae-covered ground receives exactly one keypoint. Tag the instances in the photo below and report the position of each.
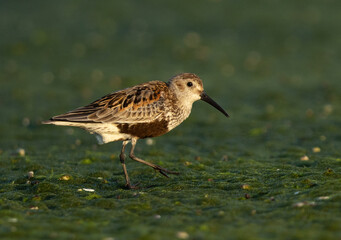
(270, 171)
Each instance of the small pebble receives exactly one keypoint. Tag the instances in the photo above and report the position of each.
(21, 152)
(328, 109)
(182, 235)
(221, 213)
(157, 216)
(299, 204)
(316, 149)
(25, 122)
(13, 220)
(304, 158)
(65, 178)
(150, 141)
(30, 174)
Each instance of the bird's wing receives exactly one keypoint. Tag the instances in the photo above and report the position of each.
(142, 103)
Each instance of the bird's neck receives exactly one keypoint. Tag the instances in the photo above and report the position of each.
(179, 112)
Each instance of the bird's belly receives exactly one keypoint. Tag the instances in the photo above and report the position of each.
(106, 132)
(144, 130)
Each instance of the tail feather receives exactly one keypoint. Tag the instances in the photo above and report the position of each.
(104, 132)
(64, 123)
(50, 121)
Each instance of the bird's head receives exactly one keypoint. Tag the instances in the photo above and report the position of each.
(188, 87)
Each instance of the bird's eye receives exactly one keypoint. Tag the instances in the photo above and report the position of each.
(189, 84)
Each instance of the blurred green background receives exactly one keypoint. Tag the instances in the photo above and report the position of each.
(271, 171)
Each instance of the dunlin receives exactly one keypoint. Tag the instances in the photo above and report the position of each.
(146, 110)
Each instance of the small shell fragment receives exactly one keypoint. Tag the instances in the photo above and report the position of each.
(182, 235)
(88, 189)
(302, 204)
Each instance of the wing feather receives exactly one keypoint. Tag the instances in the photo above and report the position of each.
(142, 103)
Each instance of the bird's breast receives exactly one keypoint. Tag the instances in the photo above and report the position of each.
(177, 115)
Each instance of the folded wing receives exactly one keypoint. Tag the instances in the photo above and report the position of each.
(142, 103)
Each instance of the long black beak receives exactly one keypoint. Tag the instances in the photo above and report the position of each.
(210, 101)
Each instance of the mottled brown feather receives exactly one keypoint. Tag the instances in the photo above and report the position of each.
(139, 104)
(145, 130)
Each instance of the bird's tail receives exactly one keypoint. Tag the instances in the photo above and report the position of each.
(63, 123)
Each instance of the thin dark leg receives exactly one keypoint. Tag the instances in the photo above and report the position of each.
(161, 170)
(122, 159)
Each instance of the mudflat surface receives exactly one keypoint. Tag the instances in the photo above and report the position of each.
(270, 171)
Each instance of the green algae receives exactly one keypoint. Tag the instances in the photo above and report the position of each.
(273, 66)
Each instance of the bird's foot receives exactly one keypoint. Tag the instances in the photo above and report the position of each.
(164, 171)
(130, 186)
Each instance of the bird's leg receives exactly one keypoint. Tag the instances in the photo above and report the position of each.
(161, 170)
(122, 159)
